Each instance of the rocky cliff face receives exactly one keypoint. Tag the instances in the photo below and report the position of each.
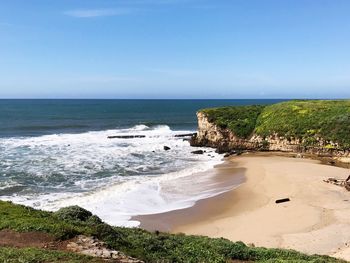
(225, 140)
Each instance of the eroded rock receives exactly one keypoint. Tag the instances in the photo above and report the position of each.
(93, 247)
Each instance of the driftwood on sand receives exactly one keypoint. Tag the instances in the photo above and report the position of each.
(282, 200)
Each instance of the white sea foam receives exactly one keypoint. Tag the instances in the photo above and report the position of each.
(114, 178)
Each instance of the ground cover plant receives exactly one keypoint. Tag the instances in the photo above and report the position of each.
(148, 246)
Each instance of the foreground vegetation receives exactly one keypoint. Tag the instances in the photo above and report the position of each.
(151, 247)
(308, 120)
(34, 255)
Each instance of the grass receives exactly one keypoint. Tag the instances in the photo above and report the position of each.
(34, 255)
(151, 247)
(308, 120)
(26, 219)
(240, 119)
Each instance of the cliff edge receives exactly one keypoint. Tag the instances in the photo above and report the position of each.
(319, 127)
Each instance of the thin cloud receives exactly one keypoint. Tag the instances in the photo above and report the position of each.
(90, 13)
(127, 7)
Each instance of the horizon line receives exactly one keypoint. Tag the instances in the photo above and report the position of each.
(174, 98)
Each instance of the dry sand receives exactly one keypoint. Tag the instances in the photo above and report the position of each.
(316, 220)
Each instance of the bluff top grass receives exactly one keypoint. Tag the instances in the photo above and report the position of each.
(240, 119)
(151, 247)
(308, 120)
(36, 255)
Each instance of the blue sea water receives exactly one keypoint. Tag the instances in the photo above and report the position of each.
(55, 153)
(41, 117)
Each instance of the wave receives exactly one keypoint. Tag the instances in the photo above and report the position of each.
(117, 203)
(142, 127)
(139, 127)
(115, 178)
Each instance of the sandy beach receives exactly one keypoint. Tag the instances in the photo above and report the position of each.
(315, 220)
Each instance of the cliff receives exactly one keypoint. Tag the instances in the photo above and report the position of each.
(315, 127)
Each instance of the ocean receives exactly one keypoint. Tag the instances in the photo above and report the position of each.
(55, 153)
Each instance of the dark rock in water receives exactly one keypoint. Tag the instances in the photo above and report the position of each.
(126, 136)
(166, 148)
(198, 152)
(76, 213)
(227, 155)
(185, 135)
(219, 151)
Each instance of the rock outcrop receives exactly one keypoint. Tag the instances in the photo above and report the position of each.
(91, 246)
(224, 140)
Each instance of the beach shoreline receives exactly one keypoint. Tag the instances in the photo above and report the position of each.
(220, 178)
(315, 220)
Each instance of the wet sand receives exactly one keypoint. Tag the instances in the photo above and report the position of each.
(225, 175)
(316, 220)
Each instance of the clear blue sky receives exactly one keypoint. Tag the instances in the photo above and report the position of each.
(175, 49)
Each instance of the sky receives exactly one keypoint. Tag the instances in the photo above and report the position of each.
(223, 49)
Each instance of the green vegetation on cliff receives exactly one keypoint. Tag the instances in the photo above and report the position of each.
(151, 247)
(35, 255)
(308, 120)
(240, 119)
(329, 120)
